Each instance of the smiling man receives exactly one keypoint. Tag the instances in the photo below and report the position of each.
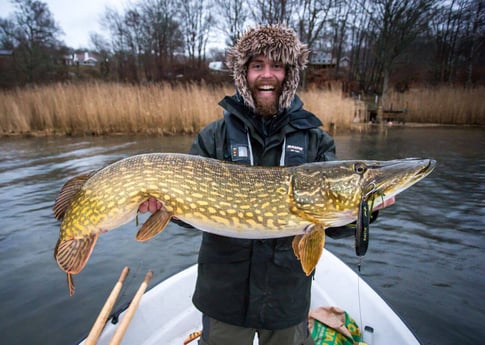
(247, 288)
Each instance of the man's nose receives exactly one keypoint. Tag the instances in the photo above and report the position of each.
(267, 71)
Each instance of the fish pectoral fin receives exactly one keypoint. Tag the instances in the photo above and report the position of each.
(72, 254)
(67, 192)
(308, 247)
(154, 225)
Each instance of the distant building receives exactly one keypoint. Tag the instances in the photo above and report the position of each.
(218, 66)
(323, 59)
(6, 52)
(84, 59)
(6, 57)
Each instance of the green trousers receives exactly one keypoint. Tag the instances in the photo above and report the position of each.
(215, 332)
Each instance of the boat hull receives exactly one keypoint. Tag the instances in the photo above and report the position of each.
(166, 314)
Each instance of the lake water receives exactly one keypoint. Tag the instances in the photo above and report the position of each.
(425, 258)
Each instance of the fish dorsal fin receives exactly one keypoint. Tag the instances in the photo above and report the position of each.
(67, 192)
(308, 247)
(72, 255)
(154, 225)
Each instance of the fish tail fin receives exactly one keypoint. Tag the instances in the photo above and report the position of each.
(308, 247)
(72, 255)
(154, 225)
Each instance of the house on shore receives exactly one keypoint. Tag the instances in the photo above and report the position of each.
(82, 59)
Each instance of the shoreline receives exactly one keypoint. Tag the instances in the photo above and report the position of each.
(355, 127)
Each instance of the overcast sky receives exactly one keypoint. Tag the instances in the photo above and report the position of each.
(76, 18)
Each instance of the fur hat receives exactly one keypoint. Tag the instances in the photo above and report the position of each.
(277, 42)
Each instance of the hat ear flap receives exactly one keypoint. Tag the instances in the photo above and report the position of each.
(292, 79)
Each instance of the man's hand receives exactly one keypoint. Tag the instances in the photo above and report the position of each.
(150, 205)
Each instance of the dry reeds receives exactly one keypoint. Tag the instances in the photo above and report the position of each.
(110, 108)
(443, 105)
(334, 110)
(105, 108)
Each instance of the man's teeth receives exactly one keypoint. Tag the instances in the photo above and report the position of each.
(266, 88)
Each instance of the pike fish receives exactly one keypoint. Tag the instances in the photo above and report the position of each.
(226, 199)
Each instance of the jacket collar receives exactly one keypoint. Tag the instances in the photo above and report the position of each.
(292, 119)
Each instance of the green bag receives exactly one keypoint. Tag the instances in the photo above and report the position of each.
(333, 326)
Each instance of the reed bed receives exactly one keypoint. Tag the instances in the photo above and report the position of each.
(336, 111)
(165, 109)
(104, 108)
(442, 105)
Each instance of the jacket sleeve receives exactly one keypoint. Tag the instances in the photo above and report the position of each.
(325, 147)
(209, 142)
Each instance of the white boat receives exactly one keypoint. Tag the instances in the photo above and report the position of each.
(166, 314)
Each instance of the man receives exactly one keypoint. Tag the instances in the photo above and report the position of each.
(247, 288)
(257, 287)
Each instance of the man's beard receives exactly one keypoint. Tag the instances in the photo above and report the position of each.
(266, 107)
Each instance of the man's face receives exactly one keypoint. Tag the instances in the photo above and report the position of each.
(265, 81)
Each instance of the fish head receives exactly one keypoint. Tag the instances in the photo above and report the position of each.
(382, 180)
(330, 193)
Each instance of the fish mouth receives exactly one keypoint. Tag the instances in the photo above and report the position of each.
(424, 166)
(428, 168)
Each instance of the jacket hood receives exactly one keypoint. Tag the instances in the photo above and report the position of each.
(277, 42)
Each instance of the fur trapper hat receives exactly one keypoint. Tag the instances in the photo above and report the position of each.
(277, 42)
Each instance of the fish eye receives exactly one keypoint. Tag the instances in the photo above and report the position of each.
(360, 168)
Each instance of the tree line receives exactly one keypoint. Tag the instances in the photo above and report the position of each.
(386, 43)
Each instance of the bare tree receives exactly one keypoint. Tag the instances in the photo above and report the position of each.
(341, 17)
(101, 46)
(362, 40)
(272, 11)
(312, 17)
(311, 22)
(112, 21)
(475, 30)
(447, 25)
(233, 16)
(197, 20)
(163, 36)
(134, 26)
(397, 23)
(33, 34)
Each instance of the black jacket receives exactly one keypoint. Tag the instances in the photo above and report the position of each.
(256, 283)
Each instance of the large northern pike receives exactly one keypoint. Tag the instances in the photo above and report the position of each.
(226, 199)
